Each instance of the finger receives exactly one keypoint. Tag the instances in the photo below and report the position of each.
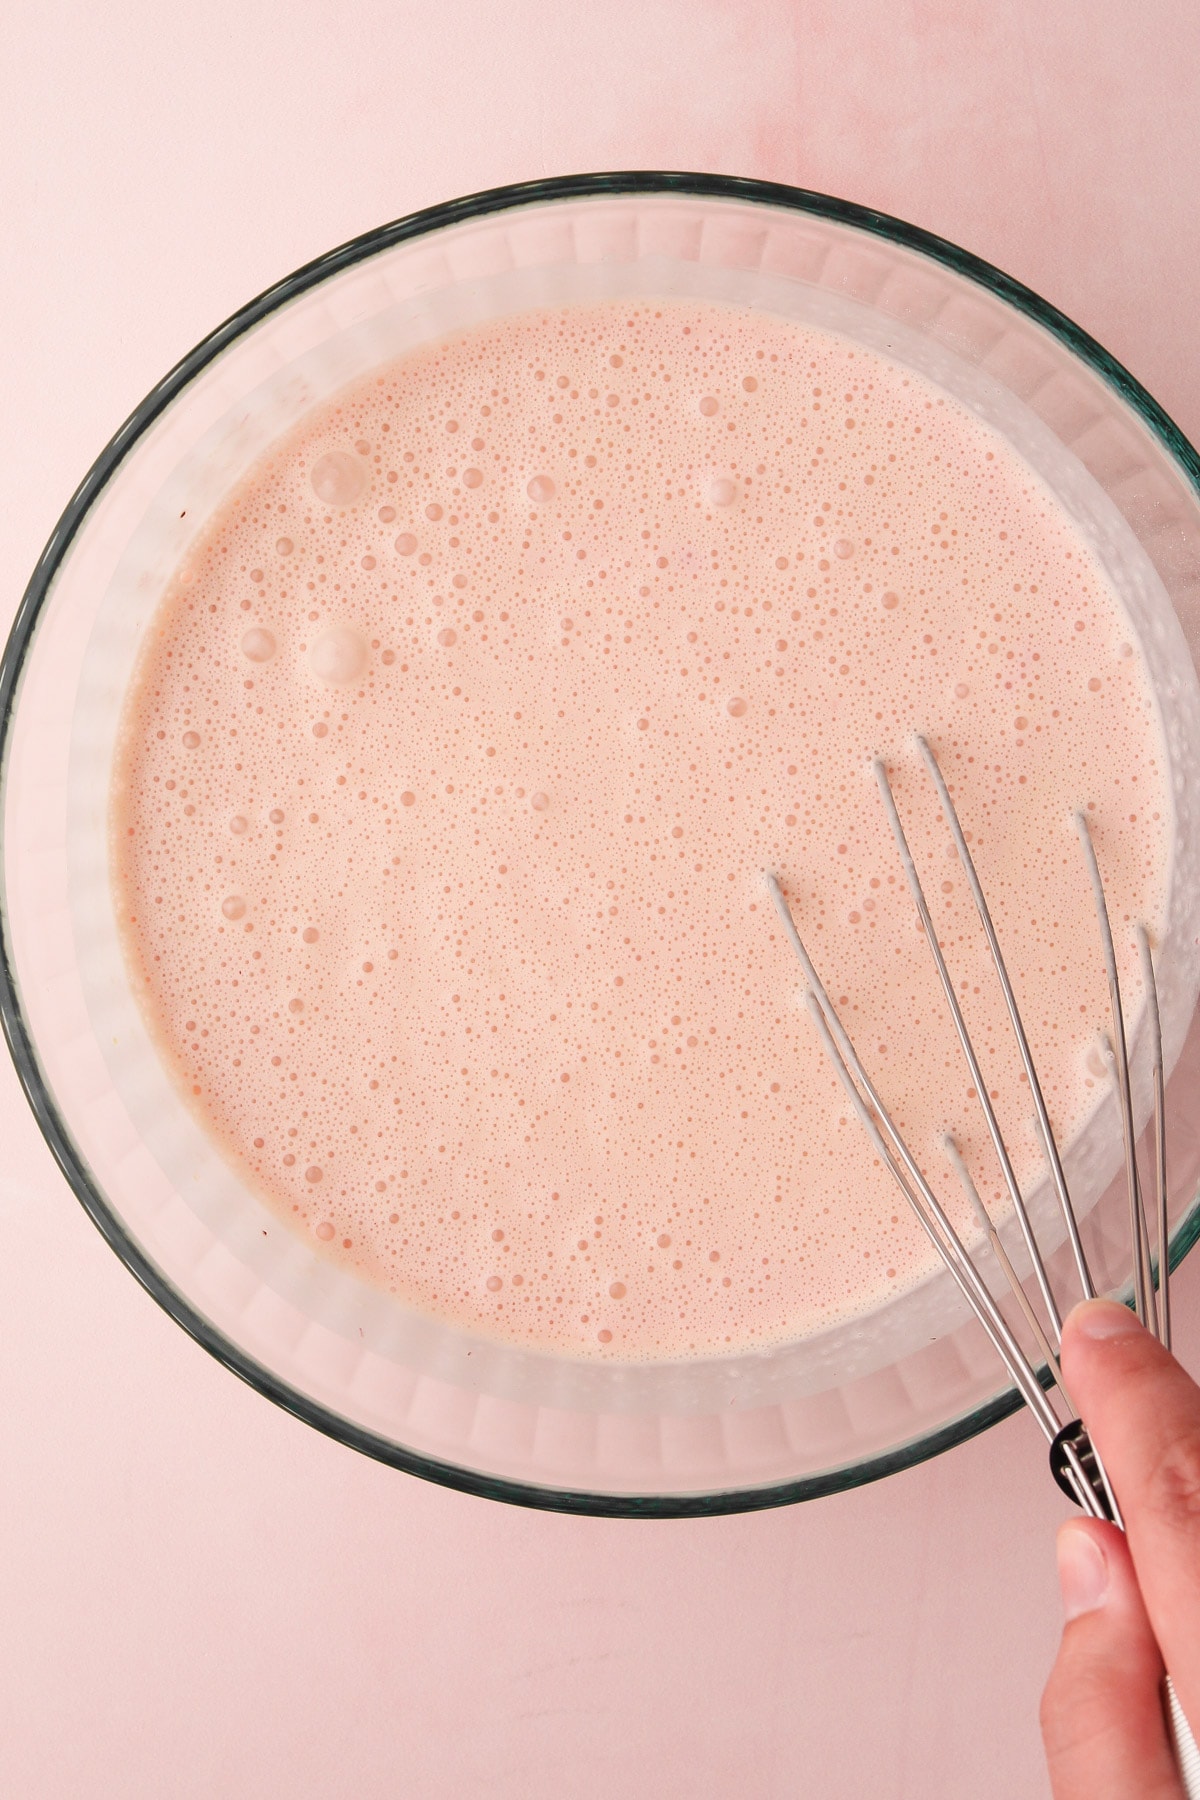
(1102, 1717)
(1143, 1413)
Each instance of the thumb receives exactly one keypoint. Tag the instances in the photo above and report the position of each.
(1102, 1717)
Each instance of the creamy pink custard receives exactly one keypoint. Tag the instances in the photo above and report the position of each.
(453, 762)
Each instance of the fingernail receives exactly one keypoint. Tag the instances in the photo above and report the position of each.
(1082, 1572)
(1104, 1319)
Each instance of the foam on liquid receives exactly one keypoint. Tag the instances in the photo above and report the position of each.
(453, 762)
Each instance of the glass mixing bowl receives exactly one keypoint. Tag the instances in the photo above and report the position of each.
(842, 1407)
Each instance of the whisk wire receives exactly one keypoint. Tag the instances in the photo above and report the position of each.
(1041, 1111)
(964, 1037)
(1160, 1136)
(1143, 1292)
(967, 1183)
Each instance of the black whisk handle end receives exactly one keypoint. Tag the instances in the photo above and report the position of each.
(1072, 1453)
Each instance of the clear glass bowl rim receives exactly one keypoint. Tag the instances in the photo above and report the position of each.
(54, 1127)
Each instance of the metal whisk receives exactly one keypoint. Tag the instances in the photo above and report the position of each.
(1074, 1461)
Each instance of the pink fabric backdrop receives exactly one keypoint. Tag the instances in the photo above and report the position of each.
(197, 1595)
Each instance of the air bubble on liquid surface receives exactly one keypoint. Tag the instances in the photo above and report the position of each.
(339, 478)
(258, 644)
(541, 489)
(722, 492)
(338, 655)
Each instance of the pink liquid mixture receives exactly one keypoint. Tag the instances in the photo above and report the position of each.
(453, 762)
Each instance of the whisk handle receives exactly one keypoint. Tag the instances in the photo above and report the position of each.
(1187, 1754)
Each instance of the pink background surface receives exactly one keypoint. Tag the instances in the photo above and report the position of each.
(199, 1596)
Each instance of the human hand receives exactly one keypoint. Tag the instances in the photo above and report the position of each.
(1132, 1599)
